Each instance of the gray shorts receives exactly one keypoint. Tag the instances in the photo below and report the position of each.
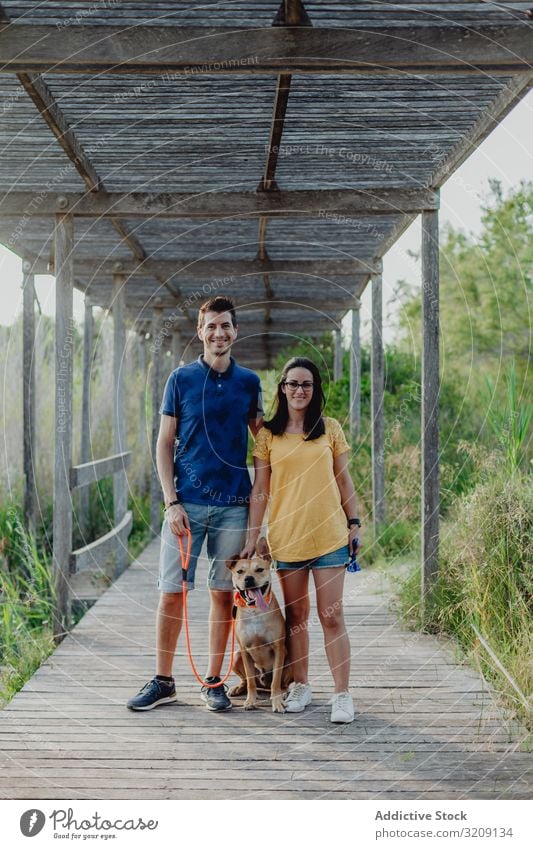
(225, 531)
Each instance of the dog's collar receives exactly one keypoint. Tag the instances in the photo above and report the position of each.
(240, 601)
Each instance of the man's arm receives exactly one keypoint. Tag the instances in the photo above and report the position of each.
(255, 425)
(176, 516)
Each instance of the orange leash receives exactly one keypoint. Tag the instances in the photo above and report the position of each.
(185, 560)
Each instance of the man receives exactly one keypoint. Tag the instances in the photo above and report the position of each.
(208, 405)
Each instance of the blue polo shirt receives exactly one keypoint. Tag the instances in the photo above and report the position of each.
(212, 409)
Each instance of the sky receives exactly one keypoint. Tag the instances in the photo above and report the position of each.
(506, 155)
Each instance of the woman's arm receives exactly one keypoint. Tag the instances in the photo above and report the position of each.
(258, 505)
(347, 492)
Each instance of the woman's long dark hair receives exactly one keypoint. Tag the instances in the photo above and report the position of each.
(313, 421)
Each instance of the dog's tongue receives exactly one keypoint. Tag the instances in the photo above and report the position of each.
(259, 599)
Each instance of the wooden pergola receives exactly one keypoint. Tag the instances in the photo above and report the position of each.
(156, 153)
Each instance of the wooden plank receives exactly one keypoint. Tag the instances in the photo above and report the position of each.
(355, 373)
(95, 470)
(440, 734)
(92, 556)
(88, 49)
(28, 394)
(430, 400)
(120, 483)
(321, 203)
(64, 342)
(377, 404)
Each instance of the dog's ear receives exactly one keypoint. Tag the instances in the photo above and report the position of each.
(262, 549)
(232, 562)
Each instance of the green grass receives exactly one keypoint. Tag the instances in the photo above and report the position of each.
(483, 595)
(26, 600)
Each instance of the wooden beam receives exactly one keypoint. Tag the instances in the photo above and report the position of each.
(377, 393)
(28, 395)
(355, 373)
(87, 49)
(430, 400)
(220, 270)
(322, 204)
(120, 483)
(129, 238)
(43, 99)
(64, 344)
(224, 269)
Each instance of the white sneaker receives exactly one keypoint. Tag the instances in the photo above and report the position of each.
(342, 709)
(299, 696)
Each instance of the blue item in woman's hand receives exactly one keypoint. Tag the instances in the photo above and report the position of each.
(353, 565)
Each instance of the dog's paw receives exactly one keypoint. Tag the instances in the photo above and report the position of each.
(277, 704)
(237, 690)
(250, 705)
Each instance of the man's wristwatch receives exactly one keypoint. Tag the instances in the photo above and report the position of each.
(354, 521)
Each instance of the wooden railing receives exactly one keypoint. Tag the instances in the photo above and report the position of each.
(115, 540)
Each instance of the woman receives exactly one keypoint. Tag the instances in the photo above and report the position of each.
(301, 472)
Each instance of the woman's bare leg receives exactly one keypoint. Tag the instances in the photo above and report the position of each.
(329, 585)
(295, 588)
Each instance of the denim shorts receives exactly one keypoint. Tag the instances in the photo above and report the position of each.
(224, 528)
(325, 561)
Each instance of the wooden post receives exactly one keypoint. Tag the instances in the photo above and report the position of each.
(85, 447)
(378, 424)
(120, 483)
(430, 399)
(62, 525)
(155, 486)
(355, 375)
(143, 436)
(28, 394)
(177, 347)
(337, 365)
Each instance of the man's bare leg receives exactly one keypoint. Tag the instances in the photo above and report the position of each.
(220, 615)
(168, 627)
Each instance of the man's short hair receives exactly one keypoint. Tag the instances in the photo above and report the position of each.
(217, 304)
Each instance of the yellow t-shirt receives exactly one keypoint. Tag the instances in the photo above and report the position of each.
(306, 518)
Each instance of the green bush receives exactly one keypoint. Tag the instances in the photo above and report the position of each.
(485, 581)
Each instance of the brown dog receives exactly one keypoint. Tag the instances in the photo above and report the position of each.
(259, 628)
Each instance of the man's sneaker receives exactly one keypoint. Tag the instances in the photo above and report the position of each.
(155, 693)
(215, 697)
(299, 696)
(342, 709)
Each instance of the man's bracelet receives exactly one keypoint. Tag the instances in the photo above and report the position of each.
(354, 521)
(171, 504)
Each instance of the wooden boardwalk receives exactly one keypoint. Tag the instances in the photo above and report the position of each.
(426, 727)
